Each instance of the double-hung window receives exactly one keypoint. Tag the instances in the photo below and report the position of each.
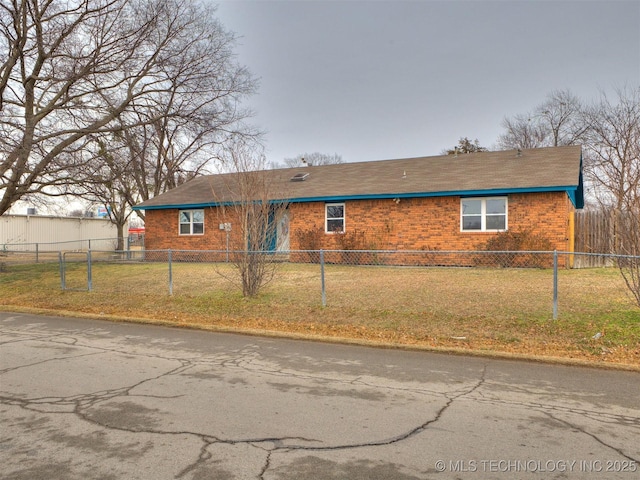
(334, 217)
(488, 214)
(191, 222)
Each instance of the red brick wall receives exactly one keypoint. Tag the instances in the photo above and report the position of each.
(161, 231)
(412, 224)
(431, 223)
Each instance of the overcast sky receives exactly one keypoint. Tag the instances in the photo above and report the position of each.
(373, 80)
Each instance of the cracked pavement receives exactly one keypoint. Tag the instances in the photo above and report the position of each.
(89, 399)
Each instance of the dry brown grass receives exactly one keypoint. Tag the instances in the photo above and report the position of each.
(486, 310)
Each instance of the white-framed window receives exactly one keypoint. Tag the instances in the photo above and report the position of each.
(334, 218)
(486, 214)
(191, 222)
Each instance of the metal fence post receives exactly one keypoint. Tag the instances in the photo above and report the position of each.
(555, 284)
(170, 273)
(37, 253)
(324, 292)
(62, 279)
(89, 273)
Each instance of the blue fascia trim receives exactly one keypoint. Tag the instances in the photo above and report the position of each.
(452, 193)
(573, 191)
(184, 206)
(578, 193)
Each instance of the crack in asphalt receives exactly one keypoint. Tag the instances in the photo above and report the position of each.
(204, 456)
(603, 417)
(420, 428)
(53, 359)
(415, 431)
(594, 436)
(28, 338)
(390, 441)
(248, 359)
(266, 466)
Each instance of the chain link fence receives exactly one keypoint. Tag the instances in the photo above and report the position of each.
(531, 283)
(43, 252)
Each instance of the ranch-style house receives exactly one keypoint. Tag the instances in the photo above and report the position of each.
(447, 202)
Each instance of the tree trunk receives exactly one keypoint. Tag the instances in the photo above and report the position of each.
(120, 229)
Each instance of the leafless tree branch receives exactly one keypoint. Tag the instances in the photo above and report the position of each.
(158, 76)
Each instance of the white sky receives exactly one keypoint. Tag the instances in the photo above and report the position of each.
(372, 80)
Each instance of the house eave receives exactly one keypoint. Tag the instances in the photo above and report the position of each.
(574, 192)
(451, 193)
(182, 206)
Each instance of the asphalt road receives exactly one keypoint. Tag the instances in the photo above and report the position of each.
(87, 399)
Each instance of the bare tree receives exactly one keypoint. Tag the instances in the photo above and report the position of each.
(610, 135)
(557, 121)
(105, 180)
(71, 69)
(520, 132)
(627, 245)
(612, 166)
(259, 207)
(174, 136)
(62, 59)
(315, 158)
(465, 146)
(612, 150)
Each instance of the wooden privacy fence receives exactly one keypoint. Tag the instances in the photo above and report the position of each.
(595, 232)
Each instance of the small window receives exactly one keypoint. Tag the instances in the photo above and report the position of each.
(334, 218)
(191, 222)
(483, 214)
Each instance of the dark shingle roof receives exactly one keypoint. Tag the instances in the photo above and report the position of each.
(542, 169)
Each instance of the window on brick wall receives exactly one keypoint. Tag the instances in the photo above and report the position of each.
(487, 214)
(191, 222)
(334, 217)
